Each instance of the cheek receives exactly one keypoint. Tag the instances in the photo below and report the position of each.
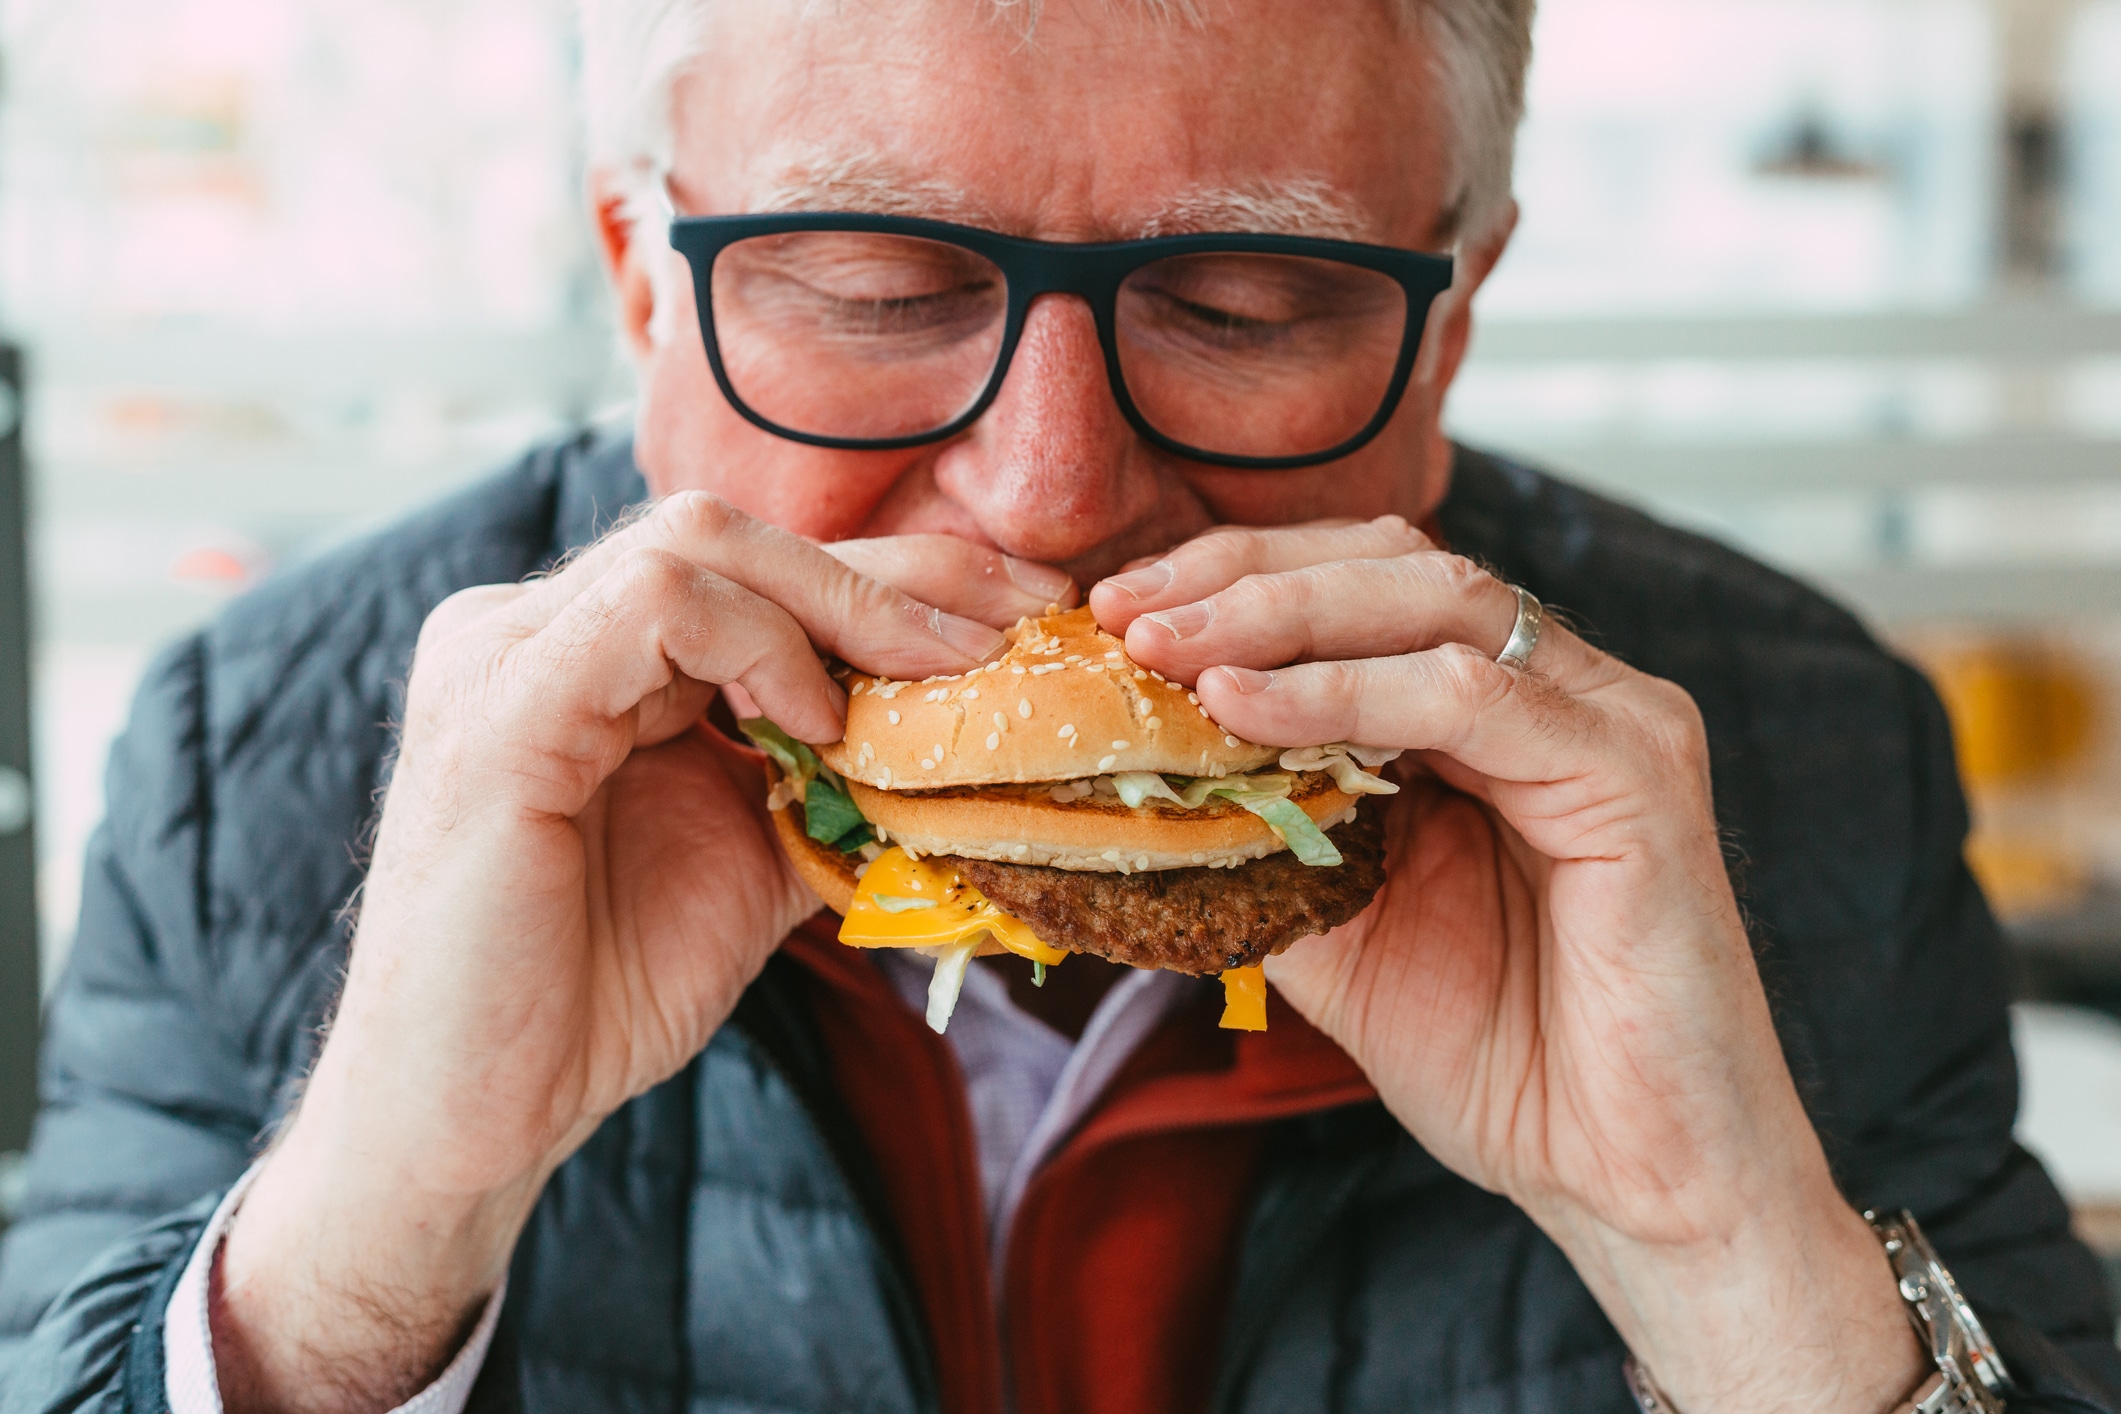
(688, 438)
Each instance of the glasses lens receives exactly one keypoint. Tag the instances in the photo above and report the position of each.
(857, 335)
(1255, 355)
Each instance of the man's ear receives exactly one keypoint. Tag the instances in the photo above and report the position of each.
(624, 261)
(1451, 323)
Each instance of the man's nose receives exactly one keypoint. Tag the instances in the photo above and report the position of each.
(1052, 470)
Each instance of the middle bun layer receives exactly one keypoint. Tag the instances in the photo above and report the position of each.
(1098, 834)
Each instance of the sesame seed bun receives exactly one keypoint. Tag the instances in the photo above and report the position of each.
(1062, 702)
(1097, 833)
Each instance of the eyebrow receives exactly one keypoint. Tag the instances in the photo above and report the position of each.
(865, 182)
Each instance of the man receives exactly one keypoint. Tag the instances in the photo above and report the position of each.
(591, 1118)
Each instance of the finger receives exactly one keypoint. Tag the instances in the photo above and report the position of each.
(1219, 558)
(861, 620)
(1503, 722)
(1343, 609)
(464, 609)
(657, 628)
(959, 577)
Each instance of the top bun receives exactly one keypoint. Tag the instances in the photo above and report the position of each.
(1064, 701)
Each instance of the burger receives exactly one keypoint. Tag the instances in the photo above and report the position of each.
(1064, 799)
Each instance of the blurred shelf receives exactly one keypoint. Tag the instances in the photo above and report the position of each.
(1874, 465)
(2005, 331)
(252, 485)
(2000, 594)
(566, 367)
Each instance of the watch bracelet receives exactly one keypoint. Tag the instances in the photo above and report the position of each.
(1969, 1377)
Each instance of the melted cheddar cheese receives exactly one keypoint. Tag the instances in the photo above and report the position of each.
(1244, 999)
(904, 902)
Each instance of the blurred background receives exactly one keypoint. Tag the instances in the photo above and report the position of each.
(1836, 280)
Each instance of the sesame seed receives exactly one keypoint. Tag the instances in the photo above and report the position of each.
(926, 764)
(1073, 658)
(856, 690)
(1093, 667)
(994, 741)
(938, 751)
(892, 716)
(1105, 763)
(995, 666)
(1112, 855)
(1229, 740)
(1154, 723)
(1001, 721)
(1113, 654)
(1140, 676)
(1141, 861)
(1023, 708)
(1018, 851)
(1200, 859)
(1067, 729)
(883, 779)
(1194, 698)
(971, 693)
(1145, 706)
(1158, 676)
(1120, 745)
(1019, 670)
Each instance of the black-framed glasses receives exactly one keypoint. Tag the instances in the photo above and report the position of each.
(873, 332)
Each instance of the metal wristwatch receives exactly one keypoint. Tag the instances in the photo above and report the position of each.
(1969, 1378)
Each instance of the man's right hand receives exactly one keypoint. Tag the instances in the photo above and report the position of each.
(573, 882)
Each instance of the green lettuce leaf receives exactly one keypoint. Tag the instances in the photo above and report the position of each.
(1287, 819)
(828, 814)
(795, 759)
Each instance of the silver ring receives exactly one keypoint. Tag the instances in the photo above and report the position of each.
(1524, 634)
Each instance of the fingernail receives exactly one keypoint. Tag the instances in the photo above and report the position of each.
(1248, 680)
(1185, 620)
(1042, 582)
(1141, 583)
(968, 636)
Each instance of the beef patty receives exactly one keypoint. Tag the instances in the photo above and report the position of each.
(1192, 920)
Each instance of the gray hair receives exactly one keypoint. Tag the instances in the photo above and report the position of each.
(633, 52)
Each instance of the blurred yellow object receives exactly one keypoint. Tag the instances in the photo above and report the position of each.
(2024, 878)
(2020, 711)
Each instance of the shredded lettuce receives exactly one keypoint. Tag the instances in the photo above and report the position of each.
(1134, 787)
(793, 757)
(1287, 819)
(898, 903)
(1195, 792)
(1350, 766)
(830, 815)
(949, 979)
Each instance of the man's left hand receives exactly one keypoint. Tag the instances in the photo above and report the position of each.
(1554, 991)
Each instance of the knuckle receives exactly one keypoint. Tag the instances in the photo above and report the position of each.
(696, 515)
(1458, 575)
(1399, 531)
(651, 575)
(1230, 548)
(1478, 680)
